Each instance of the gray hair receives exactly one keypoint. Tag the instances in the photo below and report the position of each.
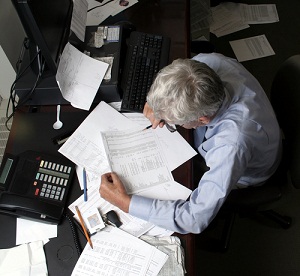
(184, 91)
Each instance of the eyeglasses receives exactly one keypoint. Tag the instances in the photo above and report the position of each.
(169, 127)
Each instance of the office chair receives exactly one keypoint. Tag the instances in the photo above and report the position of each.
(285, 99)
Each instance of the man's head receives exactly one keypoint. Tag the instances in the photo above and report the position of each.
(186, 92)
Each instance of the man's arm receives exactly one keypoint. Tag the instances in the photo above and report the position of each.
(113, 190)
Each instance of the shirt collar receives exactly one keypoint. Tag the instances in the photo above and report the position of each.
(224, 106)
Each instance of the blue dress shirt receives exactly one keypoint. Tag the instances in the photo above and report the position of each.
(242, 147)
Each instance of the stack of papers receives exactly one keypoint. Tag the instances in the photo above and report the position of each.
(231, 17)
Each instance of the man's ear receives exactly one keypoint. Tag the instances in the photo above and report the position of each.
(204, 120)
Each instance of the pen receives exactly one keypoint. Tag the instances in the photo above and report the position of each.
(83, 227)
(161, 121)
(147, 127)
(84, 184)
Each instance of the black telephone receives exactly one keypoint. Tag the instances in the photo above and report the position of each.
(35, 185)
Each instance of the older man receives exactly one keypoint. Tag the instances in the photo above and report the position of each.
(236, 132)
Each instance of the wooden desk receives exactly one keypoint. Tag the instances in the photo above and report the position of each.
(33, 130)
(168, 18)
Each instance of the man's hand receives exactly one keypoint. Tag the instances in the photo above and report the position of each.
(113, 190)
(148, 113)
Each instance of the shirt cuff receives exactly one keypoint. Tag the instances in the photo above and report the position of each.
(140, 207)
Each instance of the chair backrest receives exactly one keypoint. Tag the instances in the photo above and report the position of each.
(285, 98)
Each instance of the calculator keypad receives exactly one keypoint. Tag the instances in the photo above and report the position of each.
(51, 180)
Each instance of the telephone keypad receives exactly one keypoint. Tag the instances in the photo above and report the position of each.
(53, 178)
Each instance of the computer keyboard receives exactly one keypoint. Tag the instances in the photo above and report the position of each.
(146, 55)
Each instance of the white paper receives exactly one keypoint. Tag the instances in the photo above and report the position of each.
(167, 191)
(158, 258)
(30, 231)
(85, 147)
(23, 260)
(175, 148)
(79, 16)
(79, 77)
(118, 253)
(258, 14)
(252, 48)
(136, 157)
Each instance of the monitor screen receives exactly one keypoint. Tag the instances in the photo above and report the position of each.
(47, 26)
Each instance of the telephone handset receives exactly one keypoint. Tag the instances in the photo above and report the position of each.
(35, 185)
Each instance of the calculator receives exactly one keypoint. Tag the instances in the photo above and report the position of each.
(35, 185)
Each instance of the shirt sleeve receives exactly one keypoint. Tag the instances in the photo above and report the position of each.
(193, 216)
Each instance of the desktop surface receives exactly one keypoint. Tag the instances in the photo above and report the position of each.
(32, 130)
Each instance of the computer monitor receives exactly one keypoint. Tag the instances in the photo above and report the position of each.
(47, 26)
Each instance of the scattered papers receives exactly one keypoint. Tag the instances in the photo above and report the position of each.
(79, 77)
(252, 48)
(26, 260)
(118, 253)
(229, 17)
(98, 12)
(30, 231)
(85, 147)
